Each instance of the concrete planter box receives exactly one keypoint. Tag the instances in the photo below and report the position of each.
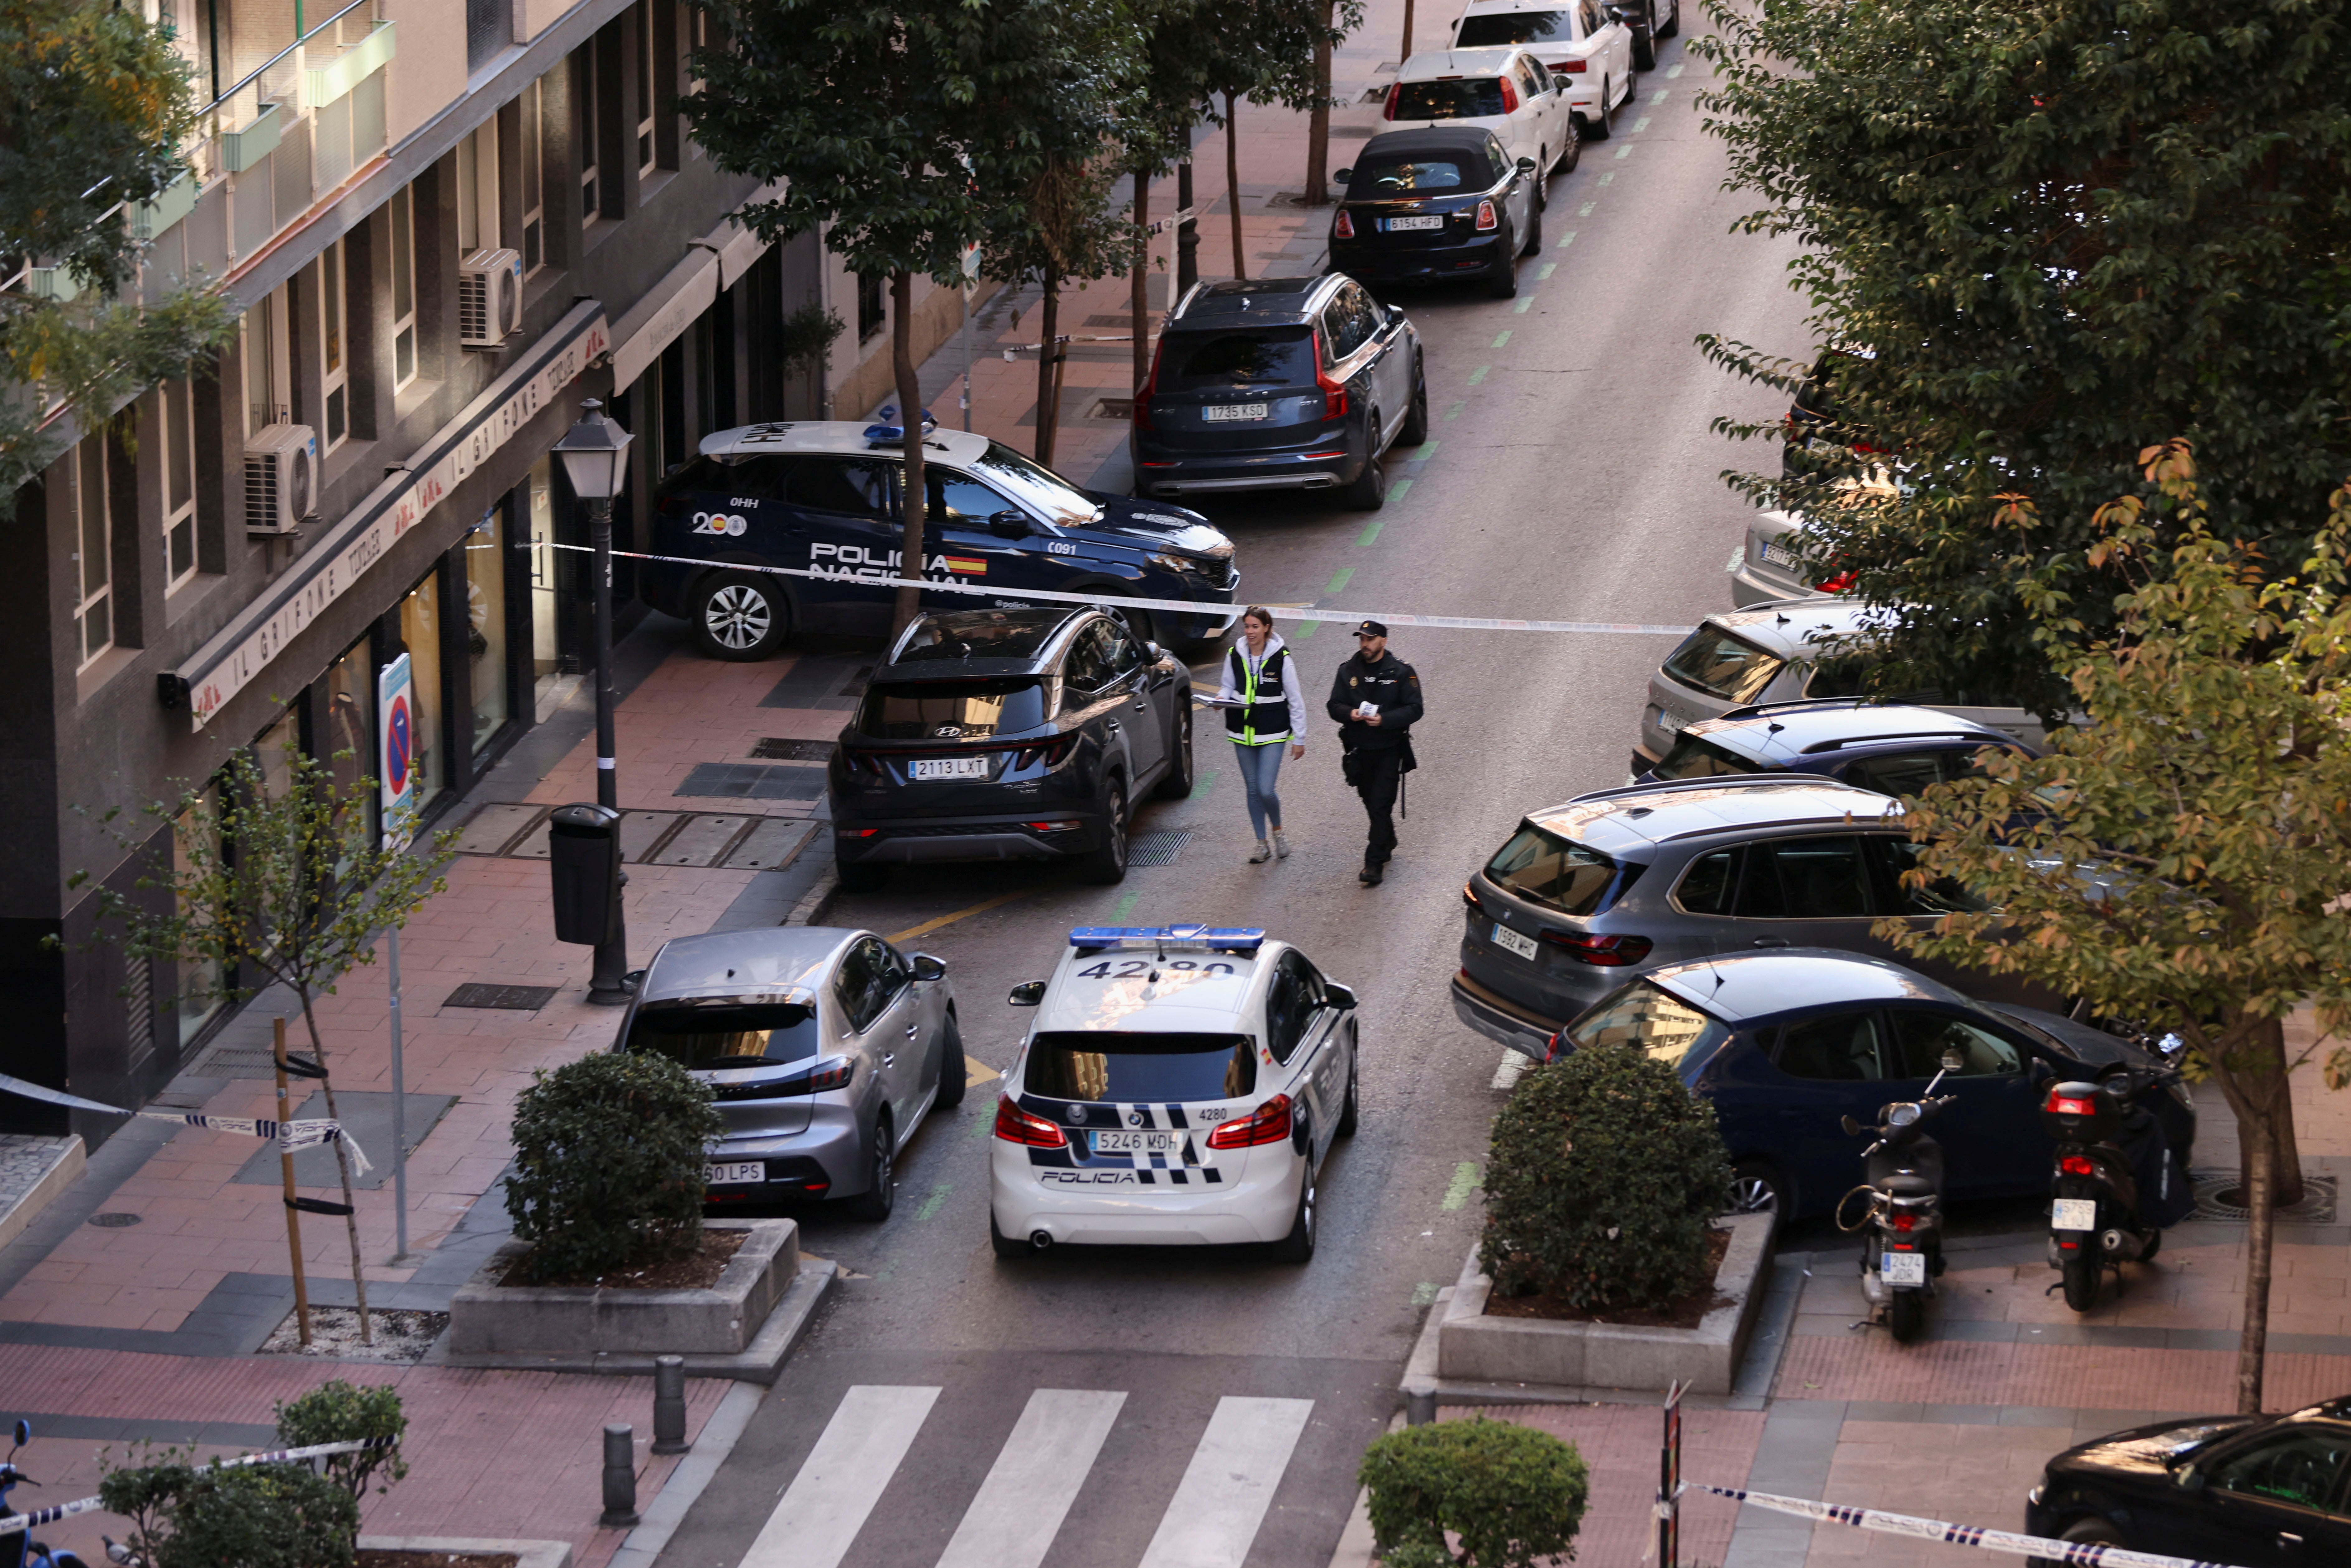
(1474, 1348)
(486, 1318)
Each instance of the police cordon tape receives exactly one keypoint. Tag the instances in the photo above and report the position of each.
(1177, 606)
(2088, 1553)
(55, 1512)
(288, 1134)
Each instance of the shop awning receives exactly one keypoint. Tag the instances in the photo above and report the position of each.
(711, 264)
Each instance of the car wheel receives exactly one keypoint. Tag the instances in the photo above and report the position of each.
(1369, 493)
(1502, 283)
(1673, 22)
(1415, 420)
(860, 878)
(1757, 1187)
(2081, 1275)
(1344, 1127)
(874, 1204)
(1906, 1315)
(951, 1067)
(737, 618)
(1535, 225)
(1571, 153)
(1598, 128)
(1298, 1246)
(1005, 1246)
(1645, 43)
(1107, 865)
(1175, 784)
(2091, 1531)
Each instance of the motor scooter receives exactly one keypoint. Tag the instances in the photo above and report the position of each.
(17, 1548)
(2116, 1183)
(1903, 1180)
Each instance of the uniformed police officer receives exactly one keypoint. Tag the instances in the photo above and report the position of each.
(1375, 699)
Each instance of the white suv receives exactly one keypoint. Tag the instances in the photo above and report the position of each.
(1507, 92)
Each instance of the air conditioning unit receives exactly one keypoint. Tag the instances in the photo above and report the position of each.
(489, 298)
(281, 478)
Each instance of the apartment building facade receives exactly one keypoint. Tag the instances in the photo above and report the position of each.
(446, 222)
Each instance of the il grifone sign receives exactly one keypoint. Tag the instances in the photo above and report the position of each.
(235, 659)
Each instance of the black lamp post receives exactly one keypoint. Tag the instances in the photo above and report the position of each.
(595, 453)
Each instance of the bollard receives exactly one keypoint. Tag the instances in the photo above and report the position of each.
(1419, 1406)
(620, 1477)
(669, 1404)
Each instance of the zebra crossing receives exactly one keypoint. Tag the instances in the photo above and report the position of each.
(1037, 1477)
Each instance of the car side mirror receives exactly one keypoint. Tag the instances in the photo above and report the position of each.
(1340, 996)
(1395, 314)
(1343, 176)
(1009, 525)
(1027, 994)
(1526, 166)
(2192, 1481)
(929, 968)
(1852, 1128)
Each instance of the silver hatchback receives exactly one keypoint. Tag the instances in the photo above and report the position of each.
(824, 1047)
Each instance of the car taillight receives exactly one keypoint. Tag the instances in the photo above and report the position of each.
(1510, 97)
(2064, 1104)
(1569, 67)
(833, 1073)
(2077, 1164)
(1052, 753)
(1486, 219)
(1469, 896)
(1062, 826)
(1395, 91)
(1270, 1123)
(1142, 394)
(1015, 1126)
(1840, 583)
(1610, 952)
(1345, 227)
(1335, 393)
(1906, 1222)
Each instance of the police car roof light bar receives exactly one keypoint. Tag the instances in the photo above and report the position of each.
(1182, 938)
(886, 432)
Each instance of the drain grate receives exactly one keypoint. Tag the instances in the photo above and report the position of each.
(513, 998)
(751, 781)
(1158, 848)
(2316, 1207)
(239, 1061)
(114, 1220)
(775, 749)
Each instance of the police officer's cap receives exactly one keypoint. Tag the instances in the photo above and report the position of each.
(1371, 629)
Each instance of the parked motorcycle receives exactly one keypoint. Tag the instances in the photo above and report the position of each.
(17, 1548)
(1903, 1180)
(2117, 1182)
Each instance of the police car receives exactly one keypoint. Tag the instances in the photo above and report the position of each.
(1181, 1087)
(827, 497)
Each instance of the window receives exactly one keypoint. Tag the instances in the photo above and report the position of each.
(870, 978)
(404, 286)
(94, 609)
(958, 501)
(477, 189)
(1695, 756)
(701, 1035)
(1922, 1037)
(697, 38)
(873, 315)
(1539, 865)
(1653, 1021)
(533, 200)
(646, 156)
(348, 723)
(485, 632)
(178, 458)
(2303, 1469)
(1712, 661)
(1205, 361)
(1822, 878)
(1293, 1003)
(1941, 896)
(972, 710)
(196, 835)
(1841, 1048)
(586, 122)
(1087, 667)
(420, 630)
(1342, 328)
(1474, 97)
(334, 357)
(1899, 773)
(1116, 1066)
(265, 370)
(851, 486)
(1485, 31)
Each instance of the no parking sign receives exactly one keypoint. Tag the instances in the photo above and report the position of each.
(395, 715)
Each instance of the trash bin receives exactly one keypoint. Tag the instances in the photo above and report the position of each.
(583, 859)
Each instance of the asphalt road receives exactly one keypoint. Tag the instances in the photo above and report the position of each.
(1573, 476)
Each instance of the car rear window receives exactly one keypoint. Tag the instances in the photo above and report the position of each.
(1104, 1065)
(1466, 98)
(1653, 1021)
(1208, 362)
(1695, 756)
(1559, 872)
(983, 634)
(1714, 661)
(1516, 27)
(704, 1036)
(1407, 177)
(973, 710)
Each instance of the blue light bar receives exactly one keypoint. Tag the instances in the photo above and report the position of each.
(1192, 938)
(886, 430)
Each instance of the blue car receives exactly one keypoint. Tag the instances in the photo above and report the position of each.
(827, 498)
(1788, 1043)
(1889, 747)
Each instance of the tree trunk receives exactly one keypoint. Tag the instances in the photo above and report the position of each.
(910, 413)
(1141, 279)
(1317, 118)
(1405, 52)
(2253, 1348)
(1233, 182)
(1048, 367)
(2265, 1083)
(342, 1164)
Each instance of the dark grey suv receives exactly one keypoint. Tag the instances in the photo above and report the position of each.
(1584, 895)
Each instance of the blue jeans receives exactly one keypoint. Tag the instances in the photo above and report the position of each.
(1260, 766)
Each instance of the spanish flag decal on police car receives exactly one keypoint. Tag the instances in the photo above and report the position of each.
(966, 566)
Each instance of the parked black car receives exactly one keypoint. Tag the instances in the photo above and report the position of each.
(1435, 204)
(2249, 1490)
(1001, 735)
(1280, 383)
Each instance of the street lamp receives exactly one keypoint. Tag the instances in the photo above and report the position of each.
(595, 453)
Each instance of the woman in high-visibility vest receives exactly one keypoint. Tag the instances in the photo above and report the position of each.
(1265, 706)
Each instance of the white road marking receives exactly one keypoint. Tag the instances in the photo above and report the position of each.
(1506, 1076)
(1736, 554)
(1020, 1505)
(821, 1511)
(1229, 1484)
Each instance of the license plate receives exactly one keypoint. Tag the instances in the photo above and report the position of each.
(741, 1173)
(1414, 226)
(949, 767)
(1123, 1143)
(2073, 1214)
(1777, 554)
(1903, 1268)
(1669, 721)
(1510, 941)
(1225, 413)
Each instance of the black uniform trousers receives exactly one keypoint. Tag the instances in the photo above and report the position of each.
(1378, 771)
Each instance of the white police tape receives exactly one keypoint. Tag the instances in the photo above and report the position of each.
(1176, 606)
(286, 1134)
(2087, 1554)
(51, 1515)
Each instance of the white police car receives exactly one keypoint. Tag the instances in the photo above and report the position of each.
(1181, 1086)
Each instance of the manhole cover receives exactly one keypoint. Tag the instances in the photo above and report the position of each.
(1158, 848)
(514, 999)
(113, 1220)
(2216, 1197)
(775, 749)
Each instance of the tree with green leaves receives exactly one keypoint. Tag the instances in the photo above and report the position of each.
(1265, 49)
(98, 107)
(2055, 236)
(273, 881)
(1154, 133)
(901, 131)
(339, 1412)
(2182, 859)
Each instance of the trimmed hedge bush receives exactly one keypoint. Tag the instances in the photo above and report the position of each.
(1512, 1494)
(256, 1516)
(337, 1412)
(608, 1163)
(1603, 1174)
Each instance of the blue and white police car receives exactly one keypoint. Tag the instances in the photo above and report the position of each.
(827, 498)
(1181, 1086)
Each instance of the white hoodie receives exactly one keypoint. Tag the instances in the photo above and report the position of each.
(1293, 686)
